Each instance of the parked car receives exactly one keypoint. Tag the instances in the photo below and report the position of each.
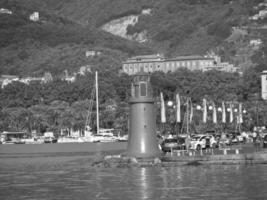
(174, 143)
(50, 140)
(199, 142)
(265, 141)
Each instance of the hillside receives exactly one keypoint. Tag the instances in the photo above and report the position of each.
(68, 28)
(55, 43)
(174, 26)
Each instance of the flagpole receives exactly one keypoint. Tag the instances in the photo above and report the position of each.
(187, 116)
(97, 106)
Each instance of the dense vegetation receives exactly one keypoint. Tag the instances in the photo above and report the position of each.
(60, 104)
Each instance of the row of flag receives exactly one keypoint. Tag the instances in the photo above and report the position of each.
(190, 111)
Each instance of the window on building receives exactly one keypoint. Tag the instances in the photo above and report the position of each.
(143, 89)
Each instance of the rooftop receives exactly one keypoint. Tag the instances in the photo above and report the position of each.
(193, 57)
(148, 56)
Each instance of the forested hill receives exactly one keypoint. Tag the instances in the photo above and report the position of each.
(174, 26)
(55, 43)
(67, 28)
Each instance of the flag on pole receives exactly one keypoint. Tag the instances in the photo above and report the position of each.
(162, 106)
(178, 108)
(191, 112)
(231, 113)
(240, 114)
(214, 115)
(223, 113)
(204, 111)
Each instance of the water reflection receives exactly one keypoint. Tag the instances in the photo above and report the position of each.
(144, 183)
(60, 177)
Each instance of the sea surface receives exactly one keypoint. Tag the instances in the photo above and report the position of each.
(64, 171)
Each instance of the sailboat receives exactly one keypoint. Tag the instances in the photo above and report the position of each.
(102, 135)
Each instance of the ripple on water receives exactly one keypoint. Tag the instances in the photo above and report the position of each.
(70, 178)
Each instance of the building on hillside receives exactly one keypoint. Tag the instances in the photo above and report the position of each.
(84, 69)
(264, 85)
(47, 77)
(255, 42)
(92, 53)
(262, 14)
(67, 77)
(5, 11)
(7, 79)
(27, 80)
(152, 63)
(34, 16)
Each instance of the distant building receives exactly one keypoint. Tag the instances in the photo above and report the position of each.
(84, 69)
(48, 77)
(146, 11)
(152, 63)
(264, 85)
(72, 78)
(34, 16)
(92, 53)
(255, 42)
(262, 14)
(27, 80)
(5, 11)
(68, 78)
(7, 79)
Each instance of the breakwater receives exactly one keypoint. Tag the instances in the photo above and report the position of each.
(174, 160)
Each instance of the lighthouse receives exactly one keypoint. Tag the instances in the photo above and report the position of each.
(142, 142)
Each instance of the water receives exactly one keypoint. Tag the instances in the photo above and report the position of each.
(63, 171)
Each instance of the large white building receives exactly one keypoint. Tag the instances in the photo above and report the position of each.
(152, 63)
(264, 85)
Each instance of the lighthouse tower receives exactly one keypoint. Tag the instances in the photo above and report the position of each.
(264, 85)
(142, 142)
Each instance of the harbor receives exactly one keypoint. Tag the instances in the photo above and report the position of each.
(133, 100)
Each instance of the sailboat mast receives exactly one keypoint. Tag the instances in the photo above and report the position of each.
(97, 106)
